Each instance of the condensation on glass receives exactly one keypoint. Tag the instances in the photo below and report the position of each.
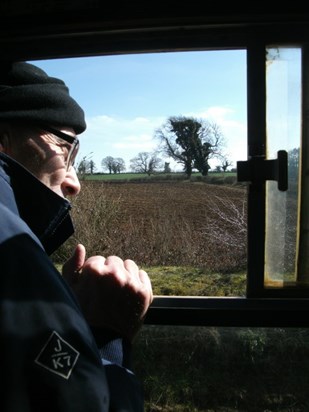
(283, 119)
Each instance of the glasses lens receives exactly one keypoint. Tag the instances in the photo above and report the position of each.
(73, 141)
(72, 154)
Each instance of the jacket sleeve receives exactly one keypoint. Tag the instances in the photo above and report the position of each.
(115, 353)
(50, 358)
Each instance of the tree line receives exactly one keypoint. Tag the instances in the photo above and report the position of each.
(188, 141)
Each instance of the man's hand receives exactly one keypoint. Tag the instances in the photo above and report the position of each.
(112, 293)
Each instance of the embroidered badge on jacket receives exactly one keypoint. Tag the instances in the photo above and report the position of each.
(58, 356)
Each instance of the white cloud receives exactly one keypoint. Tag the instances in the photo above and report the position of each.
(142, 142)
(118, 137)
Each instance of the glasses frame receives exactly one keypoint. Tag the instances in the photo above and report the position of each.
(68, 138)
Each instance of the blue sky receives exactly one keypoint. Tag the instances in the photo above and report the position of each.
(127, 97)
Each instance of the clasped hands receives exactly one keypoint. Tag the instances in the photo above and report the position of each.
(112, 293)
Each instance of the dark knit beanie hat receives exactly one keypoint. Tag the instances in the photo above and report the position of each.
(28, 94)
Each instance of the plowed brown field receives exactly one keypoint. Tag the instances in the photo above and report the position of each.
(164, 223)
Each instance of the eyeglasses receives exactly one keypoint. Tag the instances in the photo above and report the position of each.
(74, 142)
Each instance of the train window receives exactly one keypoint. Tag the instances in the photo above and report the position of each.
(184, 221)
(188, 227)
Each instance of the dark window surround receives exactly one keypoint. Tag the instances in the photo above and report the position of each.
(62, 34)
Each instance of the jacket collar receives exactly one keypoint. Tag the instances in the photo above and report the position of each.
(44, 211)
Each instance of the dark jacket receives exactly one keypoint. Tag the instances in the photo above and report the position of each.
(50, 359)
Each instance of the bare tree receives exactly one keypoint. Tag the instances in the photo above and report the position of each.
(113, 165)
(119, 165)
(85, 166)
(107, 164)
(167, 168)
(225, 163)
(227, 223)
(92, 167)
(146, 162)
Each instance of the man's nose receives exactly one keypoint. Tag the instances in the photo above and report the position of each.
(70, 185)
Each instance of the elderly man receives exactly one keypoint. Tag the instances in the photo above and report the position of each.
(65, 339)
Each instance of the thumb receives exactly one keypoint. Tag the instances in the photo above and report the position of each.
(75, 262)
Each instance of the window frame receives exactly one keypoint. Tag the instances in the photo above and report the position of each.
(61, 35)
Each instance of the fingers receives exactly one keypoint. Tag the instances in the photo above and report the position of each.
(79, 256)
(74, 263)
(112, 293)
(144, 278)
(141, 281)
(123, 272)
(94, 265)
(138, 277)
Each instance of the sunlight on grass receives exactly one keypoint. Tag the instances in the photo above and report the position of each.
(189, 281)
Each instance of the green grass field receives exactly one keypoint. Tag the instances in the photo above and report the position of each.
(138, 176)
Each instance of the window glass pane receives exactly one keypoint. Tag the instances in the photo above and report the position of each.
(223, 369)
(148, 193)
(283, 133)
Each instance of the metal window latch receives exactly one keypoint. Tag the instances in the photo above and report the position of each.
(257, 170)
